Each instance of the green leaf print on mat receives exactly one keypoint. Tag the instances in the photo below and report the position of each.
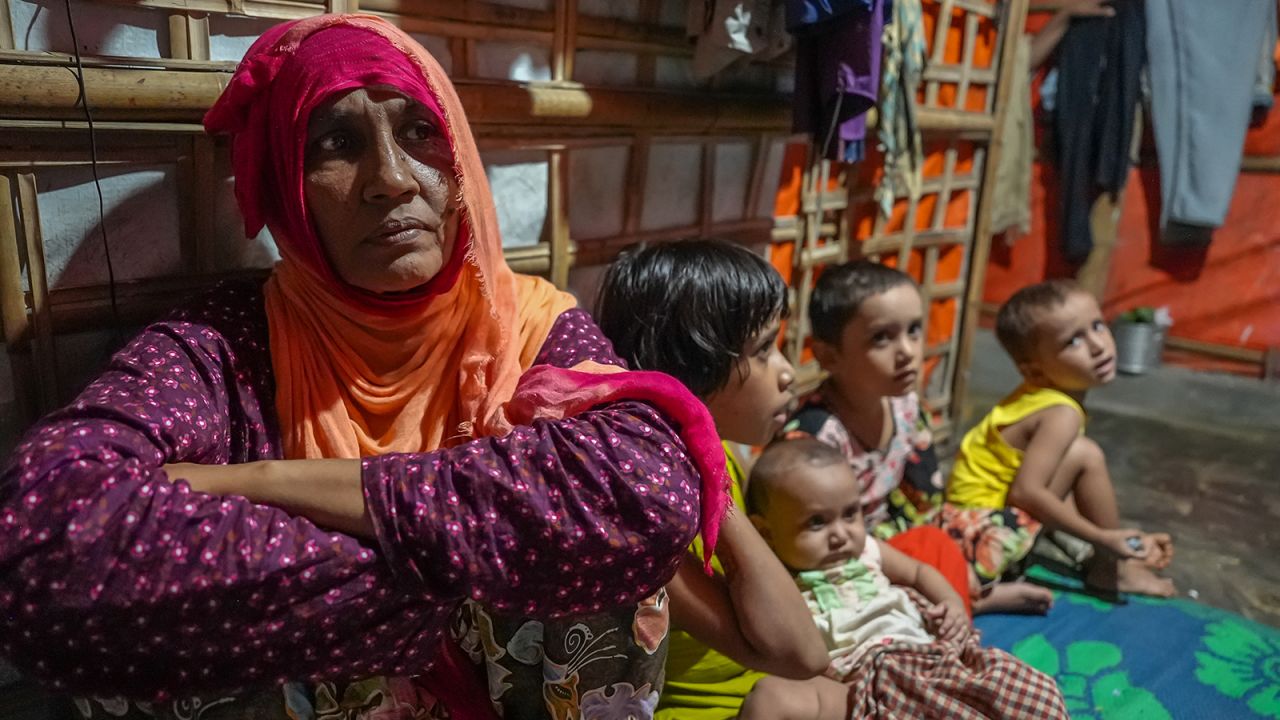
(1090, 685)
(1242, 662)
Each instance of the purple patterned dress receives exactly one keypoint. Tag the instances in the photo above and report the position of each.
(115, 582)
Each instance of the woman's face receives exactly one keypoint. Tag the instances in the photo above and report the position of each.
(378, 182)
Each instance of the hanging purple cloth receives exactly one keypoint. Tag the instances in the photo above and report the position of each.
(804, 13)
(837, 74)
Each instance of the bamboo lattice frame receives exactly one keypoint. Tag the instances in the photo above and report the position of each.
(942, 236)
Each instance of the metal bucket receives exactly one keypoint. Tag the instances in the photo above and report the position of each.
(1138, 346)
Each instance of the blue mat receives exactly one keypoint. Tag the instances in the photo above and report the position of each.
(1148, 658)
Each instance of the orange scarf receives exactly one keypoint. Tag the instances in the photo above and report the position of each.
(354, 384)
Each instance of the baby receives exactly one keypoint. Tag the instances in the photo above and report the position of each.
(868, 334)
(896, 632)
(1028, 463)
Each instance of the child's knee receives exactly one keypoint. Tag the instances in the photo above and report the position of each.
(1086, 453)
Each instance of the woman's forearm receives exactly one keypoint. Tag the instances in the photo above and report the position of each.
(753, 614)
(771, 612)
(326, 492)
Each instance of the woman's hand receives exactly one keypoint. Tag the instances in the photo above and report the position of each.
(753, 613)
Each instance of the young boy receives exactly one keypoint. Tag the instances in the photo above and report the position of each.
(708, 313)
(1028, 462)
(867, 322)
(885, 653)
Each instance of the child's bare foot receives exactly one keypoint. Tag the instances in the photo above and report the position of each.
(1130, 576)
(1015, 597)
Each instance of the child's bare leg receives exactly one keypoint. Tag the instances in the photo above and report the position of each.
(1159, 546)
(1010, 597)
(775, 698)
(1083, 474)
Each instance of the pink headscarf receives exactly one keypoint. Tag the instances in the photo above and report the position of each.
(284, 77)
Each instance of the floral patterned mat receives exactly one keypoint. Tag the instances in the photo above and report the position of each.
(1146, 658)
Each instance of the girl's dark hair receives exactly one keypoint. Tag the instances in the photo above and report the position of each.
(688, 308)
(841, 290)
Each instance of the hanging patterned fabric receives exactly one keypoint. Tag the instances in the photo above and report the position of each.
(837, 72)
(905, 55)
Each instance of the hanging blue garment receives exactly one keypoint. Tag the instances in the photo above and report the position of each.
(1203, 69)
(803, 13)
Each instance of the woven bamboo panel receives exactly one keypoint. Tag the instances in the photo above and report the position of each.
(594, 133)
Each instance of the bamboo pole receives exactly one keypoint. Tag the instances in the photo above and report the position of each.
(558, 217)
(46, 357)
(1011, 25)
(647, 62)
(460, 53)
(755, 186)
(13, 306)
(564, 40)
(188, 37)
(707, 187)
(637, 177)
(40, 88)
(13, 309)
(204, 187)
(6, 27)
(49, 92)
(1216, 350)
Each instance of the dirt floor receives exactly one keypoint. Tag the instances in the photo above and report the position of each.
(1193, 454)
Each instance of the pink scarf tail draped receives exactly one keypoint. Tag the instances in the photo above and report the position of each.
(551, 393)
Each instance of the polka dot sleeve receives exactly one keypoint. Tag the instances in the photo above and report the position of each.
(115, 581)
(564, 517)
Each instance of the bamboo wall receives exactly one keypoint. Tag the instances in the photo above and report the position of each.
(942, 237)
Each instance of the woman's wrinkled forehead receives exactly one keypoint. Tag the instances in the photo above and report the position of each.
(341, 58)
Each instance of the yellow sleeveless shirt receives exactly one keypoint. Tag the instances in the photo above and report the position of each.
(703, 684)
(986, 464)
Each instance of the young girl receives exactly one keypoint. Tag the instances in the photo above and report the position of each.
(898, 635)
(708, 313)
(867, 321)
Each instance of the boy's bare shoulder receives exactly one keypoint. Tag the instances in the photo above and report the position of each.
(1061, 421)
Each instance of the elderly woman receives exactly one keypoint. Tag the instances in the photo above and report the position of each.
(386, 428)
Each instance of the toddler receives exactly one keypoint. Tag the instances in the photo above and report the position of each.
(1028, 463)
(867, 322)
(897, 634)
